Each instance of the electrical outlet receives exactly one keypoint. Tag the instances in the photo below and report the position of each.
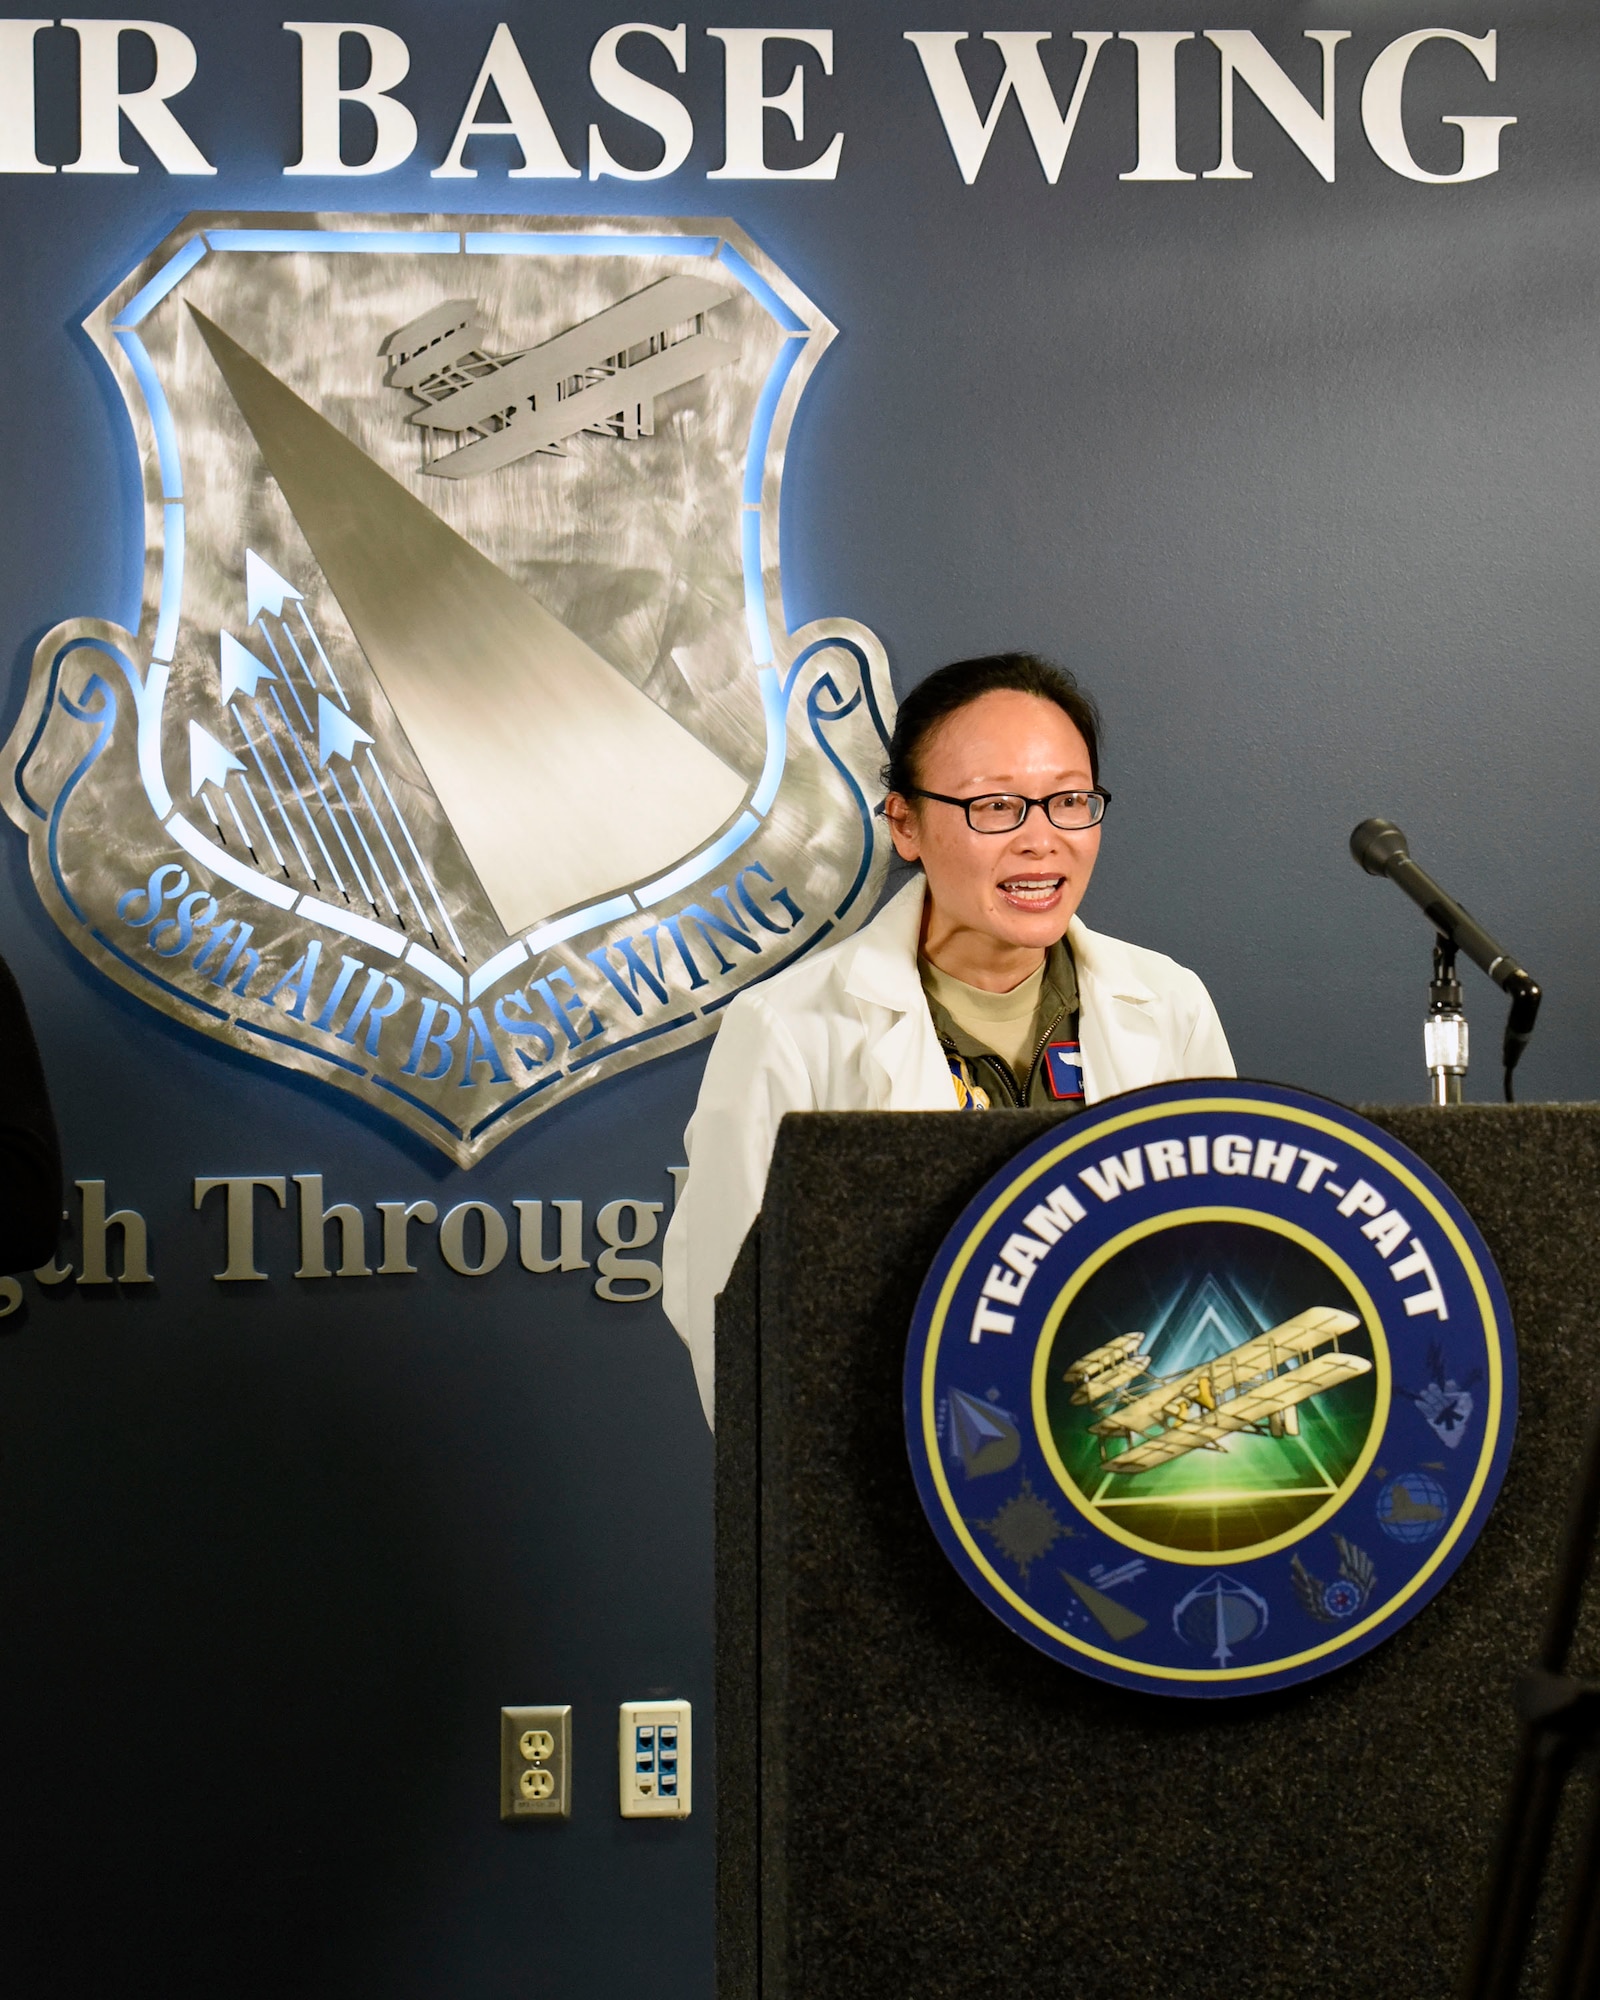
(535, 1763)
(654, 1760)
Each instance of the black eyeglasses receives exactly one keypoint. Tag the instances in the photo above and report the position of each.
(1004, 812)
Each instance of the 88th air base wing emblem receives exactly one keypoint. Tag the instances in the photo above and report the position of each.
(462, 755)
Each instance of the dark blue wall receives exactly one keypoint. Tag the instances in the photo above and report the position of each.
(1301, 477)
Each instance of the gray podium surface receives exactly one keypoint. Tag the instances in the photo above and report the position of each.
(913, 1801)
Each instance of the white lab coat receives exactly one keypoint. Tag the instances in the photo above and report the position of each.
(849, 1030)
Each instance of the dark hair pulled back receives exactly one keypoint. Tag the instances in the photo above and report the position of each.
(949, 689)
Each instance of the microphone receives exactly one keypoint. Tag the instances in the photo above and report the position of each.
(1381, 849)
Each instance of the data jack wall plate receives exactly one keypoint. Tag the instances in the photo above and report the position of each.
(654, 1759)
(535, 1763)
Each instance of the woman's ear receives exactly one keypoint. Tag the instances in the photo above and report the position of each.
(902, 817)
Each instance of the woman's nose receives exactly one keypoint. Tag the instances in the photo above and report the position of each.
(1036, 832)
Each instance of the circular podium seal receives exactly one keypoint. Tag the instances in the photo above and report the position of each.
(1211, 1389)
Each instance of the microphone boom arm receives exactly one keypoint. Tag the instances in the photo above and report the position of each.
(1381, 849)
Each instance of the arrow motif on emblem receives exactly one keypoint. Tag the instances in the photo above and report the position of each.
(511, 715)
(501, 784)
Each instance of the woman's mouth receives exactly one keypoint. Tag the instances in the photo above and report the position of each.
(1031, 892)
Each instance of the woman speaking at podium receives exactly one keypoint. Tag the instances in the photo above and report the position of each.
(975, 986)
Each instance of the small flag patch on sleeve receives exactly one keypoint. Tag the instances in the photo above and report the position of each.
(1063, 1071)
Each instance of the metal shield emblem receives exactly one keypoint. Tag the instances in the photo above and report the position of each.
(463, 755)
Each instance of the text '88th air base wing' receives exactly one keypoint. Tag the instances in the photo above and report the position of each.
(462, 755)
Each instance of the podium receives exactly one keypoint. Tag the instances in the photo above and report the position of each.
(912, 1801)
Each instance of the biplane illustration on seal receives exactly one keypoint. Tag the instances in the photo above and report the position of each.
(1255, 1388)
